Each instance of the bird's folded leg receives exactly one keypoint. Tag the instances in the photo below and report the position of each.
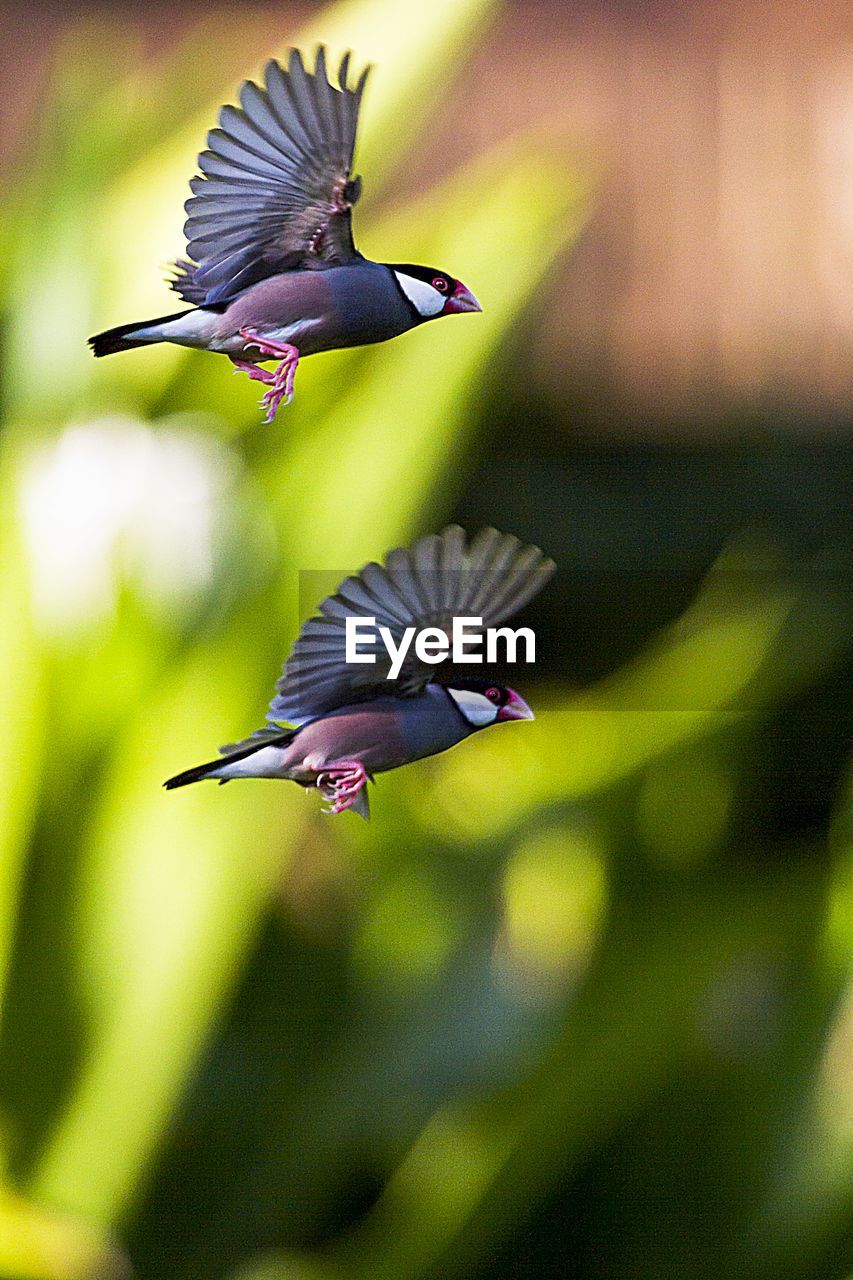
(254, 372)
(281, 381)
(340, 784)
(282, 386)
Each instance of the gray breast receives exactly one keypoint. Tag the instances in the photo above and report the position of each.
(370, 305)
(430, 723)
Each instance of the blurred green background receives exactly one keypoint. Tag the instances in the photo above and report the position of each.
(576, 1002)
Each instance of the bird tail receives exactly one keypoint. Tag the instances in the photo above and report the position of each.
(361, 804)
(126, 336)
(192, 775)
(266, 737)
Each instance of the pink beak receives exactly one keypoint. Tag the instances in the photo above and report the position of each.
(515, 708)
(461, 300)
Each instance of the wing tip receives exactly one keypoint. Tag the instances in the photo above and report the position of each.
(362, 81)
(295, 63)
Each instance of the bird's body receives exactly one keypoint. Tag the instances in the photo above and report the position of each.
(273, 272)
(343, 307)
(352, 720)
(315, 310)
(382, 734)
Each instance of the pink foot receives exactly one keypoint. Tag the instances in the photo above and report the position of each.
(281, 381)
(341, 783)
(256, 374)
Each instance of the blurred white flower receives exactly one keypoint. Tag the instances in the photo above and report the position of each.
(115, 499)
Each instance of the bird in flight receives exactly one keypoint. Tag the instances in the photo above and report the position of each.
(271, 270)
(349, 720)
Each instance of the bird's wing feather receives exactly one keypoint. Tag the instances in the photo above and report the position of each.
(275, 191)
(260, 738)
(440, 577)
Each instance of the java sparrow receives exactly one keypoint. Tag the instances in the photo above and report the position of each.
(271, 270)
(351, 720)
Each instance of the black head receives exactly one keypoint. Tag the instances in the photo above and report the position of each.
(430, 292)
(482, 702)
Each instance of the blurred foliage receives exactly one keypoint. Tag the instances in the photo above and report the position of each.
(574, 1002)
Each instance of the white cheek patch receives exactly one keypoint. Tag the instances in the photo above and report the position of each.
(475, 707)
(426, 300)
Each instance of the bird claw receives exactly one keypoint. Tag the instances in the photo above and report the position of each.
(341, 784)
(256, 374)
(281, 388)
(280, 382)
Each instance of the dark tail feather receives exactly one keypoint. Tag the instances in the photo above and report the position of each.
(270, 736)
(193, 775)
(121, 338)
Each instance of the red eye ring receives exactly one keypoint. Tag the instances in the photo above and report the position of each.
(440, 283)
(493, 694)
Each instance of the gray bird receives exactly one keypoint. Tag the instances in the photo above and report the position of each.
(351, 720)
(271, 271)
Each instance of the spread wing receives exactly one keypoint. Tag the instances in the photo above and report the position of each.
(440, 577)
(275, 192)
